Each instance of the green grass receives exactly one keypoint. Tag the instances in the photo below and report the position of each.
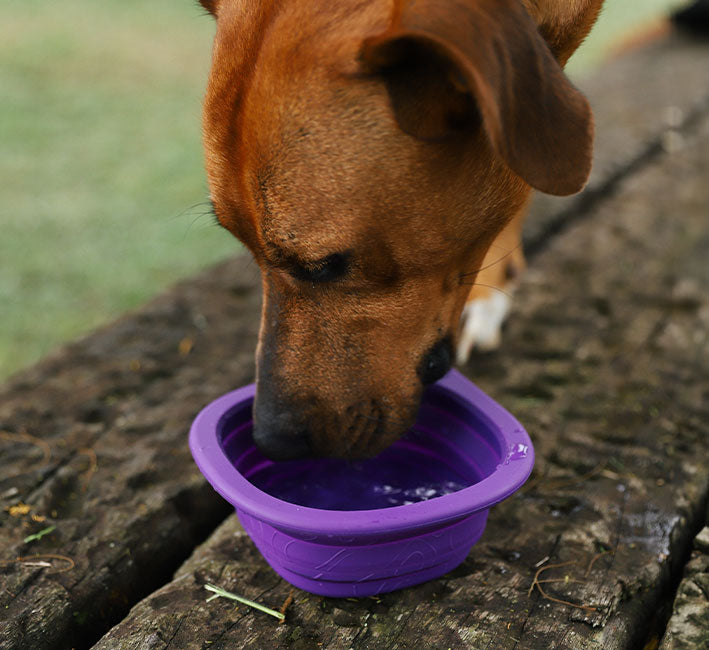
(100, 162)
(618, 19)
(100, 159)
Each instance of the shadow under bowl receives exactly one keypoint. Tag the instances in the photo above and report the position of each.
(340, 528)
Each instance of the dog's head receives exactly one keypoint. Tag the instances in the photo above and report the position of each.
(368, 156)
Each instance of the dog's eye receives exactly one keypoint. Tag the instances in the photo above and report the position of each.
(330, 268)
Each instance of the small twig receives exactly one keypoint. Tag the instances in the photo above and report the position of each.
(245, 601)
(593, 561)
(544, 560)
(588, 608)
(40, 534)
(556, 484)
(565, 580)
(286, 604)
(93, 466)
(30, 440)
(9, 493)
(538, 584)
(611, 475)
(541, 570)
(31, 560)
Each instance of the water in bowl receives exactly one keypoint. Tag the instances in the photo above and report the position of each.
(400, 476)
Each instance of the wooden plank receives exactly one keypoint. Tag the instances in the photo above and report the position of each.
(688, 628)
(605, 362)
(120, 485)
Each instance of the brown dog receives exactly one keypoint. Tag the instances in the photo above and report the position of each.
(370, 153)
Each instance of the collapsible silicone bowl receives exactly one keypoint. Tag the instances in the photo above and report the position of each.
(362, 546)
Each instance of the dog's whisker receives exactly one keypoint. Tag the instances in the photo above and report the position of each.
(360, 432)
(496, 245)
(355, 437)
(212, 223)
(375, 425)
(207, 225)
(209, 209)
(491, 264)
(489, 286)
(384, 419)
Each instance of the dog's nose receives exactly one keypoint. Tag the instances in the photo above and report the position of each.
(436, 362)
(277, 437)
(278, 445)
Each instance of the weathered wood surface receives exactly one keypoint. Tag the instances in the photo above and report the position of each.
(688, 629)
(124, 396)
(603, 363)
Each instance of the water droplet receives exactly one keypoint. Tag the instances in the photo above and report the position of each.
(517, 451)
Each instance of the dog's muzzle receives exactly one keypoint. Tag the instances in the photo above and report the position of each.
(288, 429)
(277, 434)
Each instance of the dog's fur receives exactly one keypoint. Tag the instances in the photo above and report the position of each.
(370, 154)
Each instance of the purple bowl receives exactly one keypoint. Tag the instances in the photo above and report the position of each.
(464, 449)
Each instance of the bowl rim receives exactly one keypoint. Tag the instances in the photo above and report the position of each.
(237, 490)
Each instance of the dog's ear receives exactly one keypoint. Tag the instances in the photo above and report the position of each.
(209, 5)
(448, 63)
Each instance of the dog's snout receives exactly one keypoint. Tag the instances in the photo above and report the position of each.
(436, 362)
(277, 436)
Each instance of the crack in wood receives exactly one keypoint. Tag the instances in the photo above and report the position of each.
(536, 600)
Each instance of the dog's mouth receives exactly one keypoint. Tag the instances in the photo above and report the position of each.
(330, 423)
(369, 429)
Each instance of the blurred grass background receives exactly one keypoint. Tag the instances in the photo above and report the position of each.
(101, 175)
